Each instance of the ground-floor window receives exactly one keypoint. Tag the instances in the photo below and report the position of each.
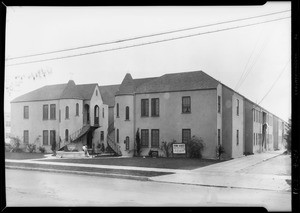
(155, 138)
(237, 137)
(52, 137)
(186, 135)
(127, 143)
(45, 137)
(144, 138)
(117, 135)
(26, 137)
(254, 142)
(219, 137)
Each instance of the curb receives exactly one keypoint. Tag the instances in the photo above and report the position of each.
(131, 177)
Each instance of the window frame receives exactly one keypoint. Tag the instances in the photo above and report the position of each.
(77, 109)
(66, 135)
(154, 145)
(154, 107)
(186, 106)
(25, 142)
(67, 113)
(45, 112)
(26, 112)
(118, 114)
(127, 113)
(118, 137)
(47, 138)
(219, 136)
(143, 132)
(52, 112)
(144, 107)
(182, 135)
(237, 137)
(127, 141)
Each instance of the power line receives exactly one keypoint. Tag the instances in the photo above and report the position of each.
(143, 44)
(253, 63)
(145, 36)
(275, 81)
(245, 68)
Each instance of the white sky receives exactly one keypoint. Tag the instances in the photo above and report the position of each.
(223, 55)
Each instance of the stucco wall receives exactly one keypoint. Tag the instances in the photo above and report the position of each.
(35, 124)
(237, 124)
(126, 127)
(227, 121)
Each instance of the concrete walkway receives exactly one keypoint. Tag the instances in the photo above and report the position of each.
(230, 174)
(224, 174)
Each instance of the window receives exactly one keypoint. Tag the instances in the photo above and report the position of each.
(117, 135)
(45, 112)
(256, 138)
(67, 112)
(117, 110)
(186, 104)
(186, 135)
(237, 137)
(154, 107)
(26, 137)
(45, 137)
(66, 135)
(26, 112)
(219, 137)
(144, 138)
(102, 112)
(155, 138)
(52, 111)
(127, 143)
(52, 137)
(127, 113)
(254, 142)
(77, 109)
(59, 115)
(145, 107)
(219, 104)
(102, 136)
(237, 107)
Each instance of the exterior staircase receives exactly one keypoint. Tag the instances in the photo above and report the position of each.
(111, 140)
(69, 145)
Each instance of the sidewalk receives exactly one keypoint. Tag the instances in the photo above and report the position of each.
(224, 174)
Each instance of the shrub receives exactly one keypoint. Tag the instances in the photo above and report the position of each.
(195, 147)
(42, 149)
(102, 147)
(15, 143)
(166, 147)
(31, 147)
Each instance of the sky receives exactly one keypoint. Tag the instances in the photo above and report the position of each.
(261, 51)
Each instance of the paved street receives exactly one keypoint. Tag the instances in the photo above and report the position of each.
(35, 188)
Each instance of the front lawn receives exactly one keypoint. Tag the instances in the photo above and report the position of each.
(23, 155)
(168, 163)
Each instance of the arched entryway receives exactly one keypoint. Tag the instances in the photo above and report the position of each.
(96, 115)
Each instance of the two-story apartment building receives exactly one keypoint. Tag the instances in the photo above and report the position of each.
(60, 114)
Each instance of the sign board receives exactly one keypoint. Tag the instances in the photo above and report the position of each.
(178, 148)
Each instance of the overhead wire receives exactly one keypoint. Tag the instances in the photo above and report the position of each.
(148, 43)
(146, 36)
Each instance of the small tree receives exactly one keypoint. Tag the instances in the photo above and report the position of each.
(195, 147)
(138, 143)
(288, 136)
(15, 143)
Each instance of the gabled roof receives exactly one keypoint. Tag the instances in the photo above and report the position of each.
(59, 91)
(168, 83)
(108, 94)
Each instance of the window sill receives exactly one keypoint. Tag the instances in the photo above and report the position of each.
(154, 116)
(53, 119)
(186, 113)
(144, 116)
(45, 119)
(127, 120)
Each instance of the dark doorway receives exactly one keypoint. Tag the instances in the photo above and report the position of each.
(89, 138)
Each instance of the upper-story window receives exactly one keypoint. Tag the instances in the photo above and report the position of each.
(145, 107)
(127, 113)
(67, 112)
(77, 109)
(154, 107)
(219, 104)
(237, 107)
(186, 104)
(26, 112)
(52, 111)
(45, 112)
(117, 110)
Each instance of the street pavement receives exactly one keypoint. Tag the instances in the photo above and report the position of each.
(36, 188)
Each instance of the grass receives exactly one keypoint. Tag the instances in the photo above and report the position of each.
(23, 155)
(87, 169)
(168, 163)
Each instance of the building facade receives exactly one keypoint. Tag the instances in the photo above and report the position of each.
(60, 114)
